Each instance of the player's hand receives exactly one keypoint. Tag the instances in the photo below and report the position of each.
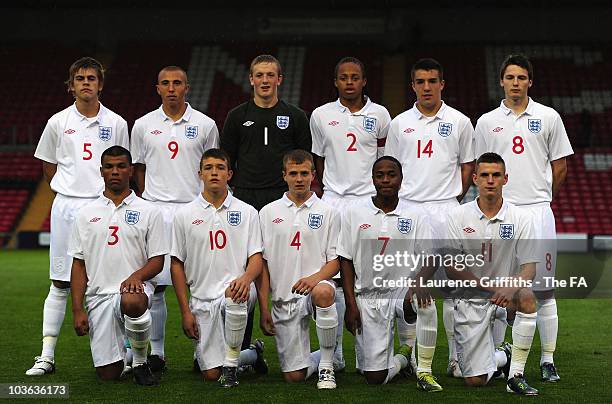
(239, 289)
(133, 284)
(266, 324)
(422, 296)
(502, 297)
(352, 319)
(305, 285)
(81, 322)
(190, 326)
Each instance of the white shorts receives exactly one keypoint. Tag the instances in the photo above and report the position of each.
(168, 210)
(341, 203)
(210, 315)
(374, 346)
(107, 327)
(474, 336)
(292, 323)
(546, 234)
(63, 213)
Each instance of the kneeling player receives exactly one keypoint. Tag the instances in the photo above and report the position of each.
(216, 252)
(501, 233)
(370, 308)
(117, 246)
(300, 233)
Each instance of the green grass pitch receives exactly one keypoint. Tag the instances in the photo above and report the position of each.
(583, 354)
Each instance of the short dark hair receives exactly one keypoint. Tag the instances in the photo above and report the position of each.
(391, 159)
(217, 154)
(350, 59)
(427, 64)
(518, 60)
(85, 63)
(492, 158)
(298, 156)
(265, 59)
(173, 69)
(116, 151)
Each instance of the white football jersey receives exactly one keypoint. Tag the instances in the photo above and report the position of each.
(298, 241)
(528, 143)
(215, 244)
(75, 143)
(350, 143)
(431, 150)
(503, 241)
(171, 152)
(116, 241)
(367, 231)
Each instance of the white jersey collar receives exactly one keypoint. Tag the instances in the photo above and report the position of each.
(362, 111)
(374, 209)
(186, 115)
(500, 216)
(438, 115)
(226, 203)
(82, 117)
(308, 203)
(528, 110)
(127, 201)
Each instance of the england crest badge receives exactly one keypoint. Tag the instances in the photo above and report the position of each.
(105, 133)
(132, 216)
(506, 231)
(534, 125)
(369, 124)
(315, 220)
(445, 129)
(404, 225)
(282, 121)
(191, 131)
(234, 217)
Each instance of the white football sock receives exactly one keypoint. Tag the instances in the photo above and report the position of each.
(499, 326)
(399, 363)
(448, 317)
(427, 332)
(315, 358)
(341, 309)
(500, 359)
(327, 324)
(522, 337)
(54, 311)
(159, 314)
(235, 323)
(247, 357)
(548, 326)
(138, 331)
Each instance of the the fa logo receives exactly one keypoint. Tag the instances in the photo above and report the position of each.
(234, 217)
(404, 225)
(191, 131)
(282, 121)
(132, 216)
(506, 231)
(369, 124)
(534, 125)
(105, 133)
(445, 129)
(315, 220)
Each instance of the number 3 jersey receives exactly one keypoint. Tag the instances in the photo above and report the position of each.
(431, 150)
(171, 152)
(297, 241)
(528, 143)
(116, 241)
(214, 244)
(75, 143)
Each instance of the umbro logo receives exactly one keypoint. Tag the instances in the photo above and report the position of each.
(469, 230)
(334, 123)
(498, 129)
(94, 219)
(69, 131)
(197, 222)
(408, 130)
(365, 226)
(156, 132)
(248, 123)
(277, 220)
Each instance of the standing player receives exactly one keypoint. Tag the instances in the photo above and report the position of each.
(382, 223)
(500, 232)
(70, 147)
(434, 143)
(349, 132)
(167, 145)
(300, 233)
(216, 255)
(118, 246)
(257, 134)
(532, 140)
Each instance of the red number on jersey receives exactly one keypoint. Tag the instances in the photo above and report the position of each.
(352, 146)
(296, 241)
(384, 246)
(428, 149)
(173, 147)
(88, 154)
(114, 238)
(487, 253)
(218, 240)
(517, 145)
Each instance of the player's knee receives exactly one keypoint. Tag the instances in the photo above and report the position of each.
(295, 377)
(526, 301)
(211, 375)
(134, 305)
(544, 295)
(377, 377)
(61, 284)
(323, 295)
(410, 315)
(475, 381)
